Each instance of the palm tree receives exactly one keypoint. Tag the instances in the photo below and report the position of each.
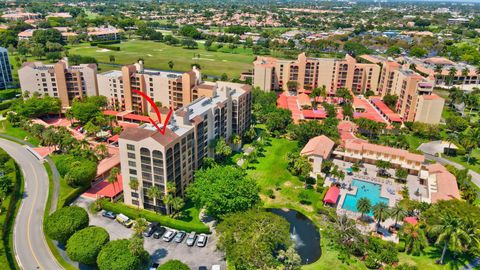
(101, 150)
(452, 137)
(465, 72)
(237, 140)
(438, 71)
(84, 144)
(397, 212)
(380, 212)
(140, 226)
(112, 179)
(364, 205)
(177, 204)
(450, 232)
(346, 231)
(451, 74)
(171, 64)
(69, 116)
(134, 184)
(470, 139)
(414, 237)
(167, 200)
(154, 193)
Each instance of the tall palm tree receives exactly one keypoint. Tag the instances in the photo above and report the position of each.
(452, 137)
(84, 144)
(451, 74)
(438, 71)
(346, 231)
(101, 150)
(140, 226)
(364, 205)
(154, 193)
(380, 212)
(414, 237)
(167, 201)
(397, 212)
(450, 232)
(465, 72)
(177, 204)
(470, 140)
(134, 184)
(113, 179)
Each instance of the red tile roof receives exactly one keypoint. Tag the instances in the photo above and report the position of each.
(447, 187)
(137, 117)
(320, 146)
(393, 117)
(314, 114)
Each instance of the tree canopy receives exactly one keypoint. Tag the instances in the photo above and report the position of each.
(117, 255)
(85, 244)
(251, 238)
(64, 222)
(173, 265)
(223, 189)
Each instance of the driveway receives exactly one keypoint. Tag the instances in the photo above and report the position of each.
(159, 250)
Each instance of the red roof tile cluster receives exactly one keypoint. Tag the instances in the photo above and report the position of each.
(319, 146)
(447, 187)
(391, 116)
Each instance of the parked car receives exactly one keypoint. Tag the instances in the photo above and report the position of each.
(202, 240)
(124, 220)
(159, 232)
(152, 227)
(202, 268)
(154, 266)
(179, 237)
(109, 214)
(168, 236)
(215, 267)
(191, 239)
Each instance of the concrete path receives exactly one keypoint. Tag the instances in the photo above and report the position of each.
(30, 247)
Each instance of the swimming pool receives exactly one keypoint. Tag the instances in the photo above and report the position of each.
(364, 190)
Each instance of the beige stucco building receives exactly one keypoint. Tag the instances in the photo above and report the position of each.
(59, 80)
(155, 159)
(308, 73)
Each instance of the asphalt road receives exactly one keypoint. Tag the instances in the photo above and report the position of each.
(30, 246)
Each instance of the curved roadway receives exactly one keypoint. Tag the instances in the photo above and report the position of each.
(30, 247)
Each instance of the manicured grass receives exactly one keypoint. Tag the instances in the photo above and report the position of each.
(474, 163)
(48, 205)
(6, 128)
(157, 55)
(10, 206)
(414, 142)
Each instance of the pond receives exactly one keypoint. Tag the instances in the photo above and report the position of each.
(304, 234)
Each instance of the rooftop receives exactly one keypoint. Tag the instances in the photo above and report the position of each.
(319, 146)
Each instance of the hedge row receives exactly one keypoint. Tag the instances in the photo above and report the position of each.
(134, 213)
(105, 42)
(109, 47)
(8, 94)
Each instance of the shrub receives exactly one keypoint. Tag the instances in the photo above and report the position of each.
(64, 222)
(117, 255)
(95, 43)
(304, 197)
(401, 246)
(63, 163)
(6, 104)
(372, 261)
(270, 193)
(81, 175)
(173, 265)
(85, 244)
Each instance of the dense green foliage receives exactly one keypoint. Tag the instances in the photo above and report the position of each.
(85, 244)
(173, 265)
(222, 190)
(64, 222)
(250, 238)
(117, 255)
(37, 106)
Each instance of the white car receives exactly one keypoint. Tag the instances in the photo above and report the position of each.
(215, 267)
(169, 235)
(202, 240)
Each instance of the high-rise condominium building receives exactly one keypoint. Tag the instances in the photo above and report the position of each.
(307, 73)
(59, 80)
(5, 69)
(168, 88)
(155, 159)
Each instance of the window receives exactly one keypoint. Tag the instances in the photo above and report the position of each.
(132, 171)
(131, 155)
(134, 194)
(132, 164)
(134, 202)
(130, 147)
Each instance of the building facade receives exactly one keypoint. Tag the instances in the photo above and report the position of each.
(59, 80)
(155, 159)
(307, 73)
(6, 77)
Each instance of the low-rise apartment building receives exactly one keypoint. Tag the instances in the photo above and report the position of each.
(104, 33)
(155, 159)
(356, 150)
(307, 73)
(59, 80)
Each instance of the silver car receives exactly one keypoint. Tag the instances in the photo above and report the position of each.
(168, 236)
(191, 239)
(202, 240)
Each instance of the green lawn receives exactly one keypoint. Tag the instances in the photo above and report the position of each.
(157, 55)
(16, 132)
(473, 164)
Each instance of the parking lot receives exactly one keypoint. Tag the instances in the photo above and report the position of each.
(159, 250)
